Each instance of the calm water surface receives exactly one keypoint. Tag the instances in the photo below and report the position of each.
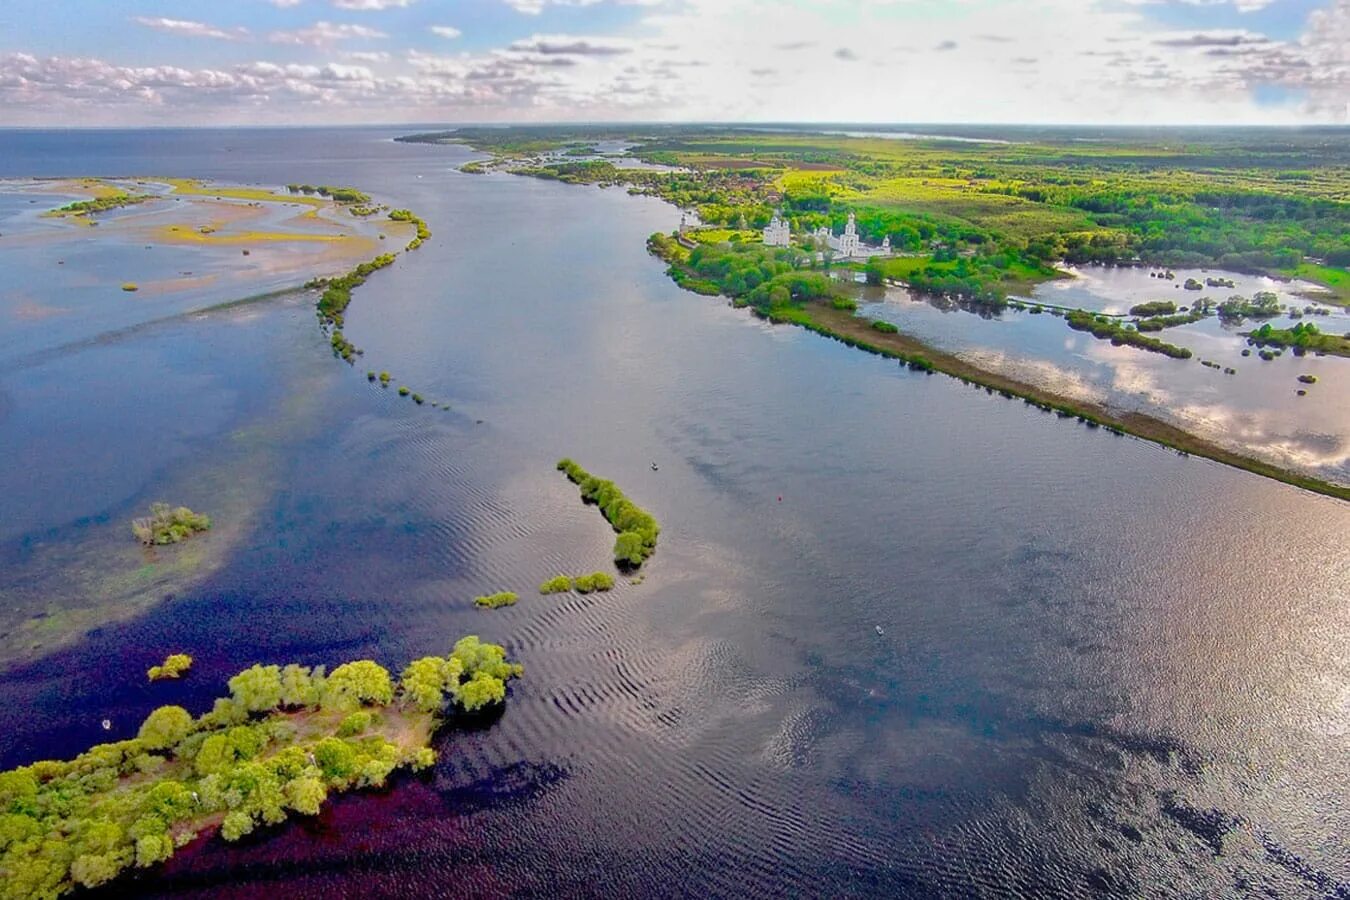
(1105, 669)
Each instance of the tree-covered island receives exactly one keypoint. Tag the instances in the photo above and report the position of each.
(281, 742)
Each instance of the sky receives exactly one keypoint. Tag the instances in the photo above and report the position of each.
(200, 62)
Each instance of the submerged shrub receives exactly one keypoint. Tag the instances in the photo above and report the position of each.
(494, 601)
(173, 666)
(557, 585)
(596, 581)
(167, 525)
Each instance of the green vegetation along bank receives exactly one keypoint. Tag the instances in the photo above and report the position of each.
(636, 527)
(985, 220)
(827, 317)
(280, 743)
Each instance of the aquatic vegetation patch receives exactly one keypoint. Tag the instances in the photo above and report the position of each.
(582, 584)
(173, 667)
(596, 581)
(169, 525)
(279, 744)
(1263, 305)
(1103, 328)
(337, 194)
(1153, 308)
(496, 601)
(637, 528)
(1302, 336)
(407, 215)
(560, 584)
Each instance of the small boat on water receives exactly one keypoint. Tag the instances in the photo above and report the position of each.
(880, 630)
(655, 468)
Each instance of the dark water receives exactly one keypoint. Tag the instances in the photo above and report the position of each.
(1105, 669)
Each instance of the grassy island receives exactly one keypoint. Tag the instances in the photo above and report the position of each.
(637, 528)
(166, 525)
(173, 667)
(86, 209)
(280, 743)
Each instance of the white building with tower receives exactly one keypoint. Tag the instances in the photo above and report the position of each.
(778, 233)
(849, 245)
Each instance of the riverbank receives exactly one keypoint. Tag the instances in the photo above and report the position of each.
(843, 325)
(838, 320)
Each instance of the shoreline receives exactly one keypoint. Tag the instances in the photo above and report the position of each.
(845, 326)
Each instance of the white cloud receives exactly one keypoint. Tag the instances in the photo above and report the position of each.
(323, 33)
(445, 31)
(191, 29)
(887, 60)
(368, 5)
(535, 7)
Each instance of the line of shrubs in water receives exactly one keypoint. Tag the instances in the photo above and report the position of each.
(407, 215)
(636, 527)
(1104, 329)
(582, 584)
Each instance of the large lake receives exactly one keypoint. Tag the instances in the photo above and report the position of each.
(1104, 668)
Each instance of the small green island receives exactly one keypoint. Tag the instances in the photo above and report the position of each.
(496, 601)
(173, 667)
(636, 527)
(582, 584)
(280, 743)
(169, 525)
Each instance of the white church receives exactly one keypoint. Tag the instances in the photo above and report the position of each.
(846, 246)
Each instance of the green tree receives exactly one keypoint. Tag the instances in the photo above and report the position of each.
(355, 683)
(479, 691)
(301, 686)
(423, 683)
(629, 549)
(165, 727)
(306, 795)
(257, 688)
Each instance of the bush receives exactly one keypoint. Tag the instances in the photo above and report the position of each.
(173, 667)
(495, 601)
(596, 581)
(356, 723)
(167, 525)
(404, 391)
(884, 327)
(557, 585)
